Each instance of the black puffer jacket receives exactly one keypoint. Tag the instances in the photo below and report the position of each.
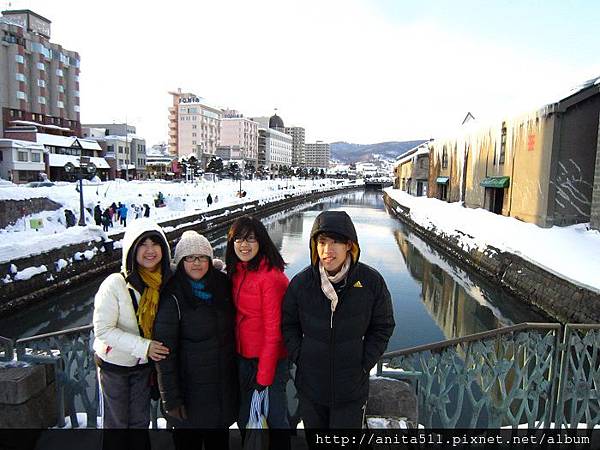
(200, 371)
(334, 354)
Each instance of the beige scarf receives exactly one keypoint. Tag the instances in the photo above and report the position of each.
(327, 281)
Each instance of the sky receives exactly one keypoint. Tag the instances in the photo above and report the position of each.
(361, 71)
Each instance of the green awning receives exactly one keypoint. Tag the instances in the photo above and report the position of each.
(495, 182)
(442, 180)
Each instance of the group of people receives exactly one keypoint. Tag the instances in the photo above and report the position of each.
(118, 213)
(215, 335)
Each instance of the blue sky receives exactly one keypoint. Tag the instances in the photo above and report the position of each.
(361, 71)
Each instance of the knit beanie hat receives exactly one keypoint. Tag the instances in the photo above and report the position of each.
(192, 243)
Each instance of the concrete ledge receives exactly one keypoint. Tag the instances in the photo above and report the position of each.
(19, 384)
(559, 298)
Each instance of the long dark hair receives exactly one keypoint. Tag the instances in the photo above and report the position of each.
(241, 229)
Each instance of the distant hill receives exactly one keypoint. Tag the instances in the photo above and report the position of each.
(348, 153)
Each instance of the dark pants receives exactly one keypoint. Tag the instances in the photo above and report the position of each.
(277, 418)
(186, 439)
(125, 398)
(316, 417)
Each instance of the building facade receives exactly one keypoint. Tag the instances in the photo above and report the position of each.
(277, 150)
(298, 145)
(21, 161)
(317, 155)
(411, 171)
(539, 167)
(39, 80)
(240, 135)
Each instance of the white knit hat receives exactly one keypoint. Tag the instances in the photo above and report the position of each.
(192, 243)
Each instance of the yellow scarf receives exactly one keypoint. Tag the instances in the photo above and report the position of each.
(148, 304)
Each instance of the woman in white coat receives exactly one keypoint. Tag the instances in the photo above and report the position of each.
(124, 312)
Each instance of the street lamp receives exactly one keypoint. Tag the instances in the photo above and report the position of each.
(90, 168)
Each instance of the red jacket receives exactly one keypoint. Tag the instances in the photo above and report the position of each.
(258, 296)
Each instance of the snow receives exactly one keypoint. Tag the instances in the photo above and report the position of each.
(30, 272)
(181, 199)
(572, 252)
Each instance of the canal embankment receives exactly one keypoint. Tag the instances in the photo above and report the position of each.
(73, 265)
(560, 298)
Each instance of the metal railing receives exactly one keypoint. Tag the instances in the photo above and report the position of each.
(522, 374)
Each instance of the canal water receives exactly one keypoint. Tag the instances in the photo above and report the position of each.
(434, 299)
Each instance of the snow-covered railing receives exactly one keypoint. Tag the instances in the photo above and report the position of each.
(511, 376)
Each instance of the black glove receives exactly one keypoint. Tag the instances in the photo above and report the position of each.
(259, 387)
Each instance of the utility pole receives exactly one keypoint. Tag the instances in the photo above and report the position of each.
(127, 152)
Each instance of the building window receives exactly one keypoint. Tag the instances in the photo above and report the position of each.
(120, 149)
(22, 156)
(21, 77)
(60, 104)
(41, 66)
(21, 95)
(76, 108)
(61, 88)
(502, 144)
(110, 148)
(59, 73)
(76, 93)
(41, 83)
(36, 157)
(19, 59)
(42, 100)
(444, 158)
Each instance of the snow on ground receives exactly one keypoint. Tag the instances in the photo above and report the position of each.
(181, 199)
(570, 252)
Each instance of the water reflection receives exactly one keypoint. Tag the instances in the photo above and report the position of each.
(459, 303)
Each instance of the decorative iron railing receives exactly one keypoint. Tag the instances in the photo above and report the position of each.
(70, 352)
(508, 377)
(511, 376)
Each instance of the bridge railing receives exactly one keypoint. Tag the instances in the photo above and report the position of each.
(518, 375)
(522, 374)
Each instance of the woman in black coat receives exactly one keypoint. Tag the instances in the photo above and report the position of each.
(195, 320)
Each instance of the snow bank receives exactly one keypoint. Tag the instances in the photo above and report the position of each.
(572, 253)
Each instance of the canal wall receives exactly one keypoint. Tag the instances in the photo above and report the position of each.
(560, 298)
(73, 265)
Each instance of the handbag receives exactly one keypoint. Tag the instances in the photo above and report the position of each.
(257, 436)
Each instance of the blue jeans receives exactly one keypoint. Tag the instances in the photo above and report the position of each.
(278, 407)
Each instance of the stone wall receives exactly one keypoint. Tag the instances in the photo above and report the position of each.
(13, 210)
(106, 259)
(559, 298)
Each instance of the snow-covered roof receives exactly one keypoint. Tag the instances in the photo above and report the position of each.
(57, 160)
(66, 141)
(37, 124)
(126, 167)
(20, 144)
(422, 149)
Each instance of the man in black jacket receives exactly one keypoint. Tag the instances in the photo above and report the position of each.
(337, 320)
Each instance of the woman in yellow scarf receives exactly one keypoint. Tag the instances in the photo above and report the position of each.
(124, 312)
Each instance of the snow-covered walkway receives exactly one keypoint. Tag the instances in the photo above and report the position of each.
(570, 252)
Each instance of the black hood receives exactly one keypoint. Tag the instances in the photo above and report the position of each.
(337, 222)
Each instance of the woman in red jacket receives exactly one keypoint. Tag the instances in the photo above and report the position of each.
(255, 267)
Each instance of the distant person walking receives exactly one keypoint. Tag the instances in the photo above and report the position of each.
(209, 200)
(123, 214)
(146, 210)
(118, 211)
(106, 220)
(97, 214)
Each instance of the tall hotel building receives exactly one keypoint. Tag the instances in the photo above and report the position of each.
(317, 155)
(298, 145)
(39, 80)
(239, 136)
(194, 127)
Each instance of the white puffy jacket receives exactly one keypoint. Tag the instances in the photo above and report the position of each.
(117, 336)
